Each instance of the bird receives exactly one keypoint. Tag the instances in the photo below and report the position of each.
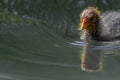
(98, 26)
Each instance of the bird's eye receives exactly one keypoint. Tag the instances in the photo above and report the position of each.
(91, 19)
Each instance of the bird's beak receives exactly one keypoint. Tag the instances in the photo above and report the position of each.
(84, 24)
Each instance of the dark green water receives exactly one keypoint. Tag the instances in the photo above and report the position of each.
(30, 50)
(36, 53)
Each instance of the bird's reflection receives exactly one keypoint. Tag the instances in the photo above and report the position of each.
(91, 59)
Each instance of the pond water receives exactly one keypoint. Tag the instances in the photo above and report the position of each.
(34, 53)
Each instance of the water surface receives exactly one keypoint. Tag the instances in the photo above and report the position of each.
(36, 53)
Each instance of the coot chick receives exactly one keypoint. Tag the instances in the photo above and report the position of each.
(97, 27)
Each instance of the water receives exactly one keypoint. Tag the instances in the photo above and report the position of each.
(36, 53)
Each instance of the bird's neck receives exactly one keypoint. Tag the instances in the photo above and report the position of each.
(93, 29)
(92, 32)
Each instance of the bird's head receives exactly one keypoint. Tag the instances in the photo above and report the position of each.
(88, 17)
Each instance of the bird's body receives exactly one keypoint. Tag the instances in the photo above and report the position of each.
(111, 22)
(105, 28)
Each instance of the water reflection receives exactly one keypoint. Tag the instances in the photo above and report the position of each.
(92, 54)
(91, 59)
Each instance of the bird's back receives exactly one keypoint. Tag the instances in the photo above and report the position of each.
(111, 25)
